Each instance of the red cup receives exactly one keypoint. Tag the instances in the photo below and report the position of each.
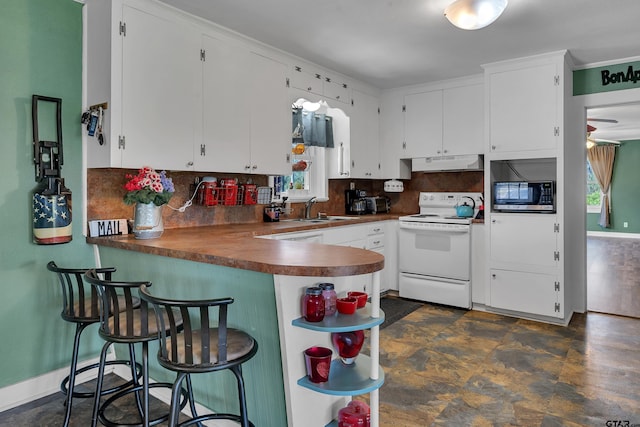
(360, 296)
(346, 305)
(318, 362)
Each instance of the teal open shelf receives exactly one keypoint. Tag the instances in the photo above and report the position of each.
(347, 380)
(361, 319)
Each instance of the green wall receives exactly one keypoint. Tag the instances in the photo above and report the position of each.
(41, 53)
(253, 310)
(625, 193)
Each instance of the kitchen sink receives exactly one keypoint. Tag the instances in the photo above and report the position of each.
(329, 218)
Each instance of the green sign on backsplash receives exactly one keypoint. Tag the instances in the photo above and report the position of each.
(607, 78)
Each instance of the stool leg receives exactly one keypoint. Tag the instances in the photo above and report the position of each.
(72, 374)
(237, 371)
(96, 402)
(192, 402)
(134, 377)
(145, 383)
(175, 398)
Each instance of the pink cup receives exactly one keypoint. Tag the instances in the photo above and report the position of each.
(318, 362)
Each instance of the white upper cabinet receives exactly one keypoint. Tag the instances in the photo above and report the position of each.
(149, 74)
(226, 136)
(331, 88)
(423, 124)
(182, 95)
(365, 148)
(525, 107)
(270, 112)
(392, 137)
(463, 120)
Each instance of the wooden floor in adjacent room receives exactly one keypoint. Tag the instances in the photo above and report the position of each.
(613, 275)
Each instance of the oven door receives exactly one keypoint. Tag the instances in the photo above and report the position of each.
(439, 250)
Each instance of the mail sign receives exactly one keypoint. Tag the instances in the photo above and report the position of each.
(108, 227)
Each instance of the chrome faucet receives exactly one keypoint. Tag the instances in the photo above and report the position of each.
(307, 207)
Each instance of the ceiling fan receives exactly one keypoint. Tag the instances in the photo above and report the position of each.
(591, 142)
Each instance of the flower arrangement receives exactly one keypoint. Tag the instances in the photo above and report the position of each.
(148, 186)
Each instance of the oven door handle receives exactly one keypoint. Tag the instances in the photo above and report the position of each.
(434, 278)
(449, 230)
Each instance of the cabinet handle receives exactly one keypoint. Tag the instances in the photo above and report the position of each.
(446, 151)
(493, 276)
(254, 167)
(376, 242)
(189, 163)
(376, 230)
(493, 147)
(247, 167)
(493, 221)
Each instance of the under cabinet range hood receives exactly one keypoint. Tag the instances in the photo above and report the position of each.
(472, 162)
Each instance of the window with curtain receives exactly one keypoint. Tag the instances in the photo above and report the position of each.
(601, 159)
(594, 195)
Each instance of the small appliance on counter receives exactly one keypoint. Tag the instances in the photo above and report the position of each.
(378, 204)
(271, 213)
(355, 202)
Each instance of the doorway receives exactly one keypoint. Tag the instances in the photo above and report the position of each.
(613, 254)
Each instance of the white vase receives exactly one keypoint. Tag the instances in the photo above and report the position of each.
(147, 221)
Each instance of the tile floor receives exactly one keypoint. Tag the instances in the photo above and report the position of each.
(446, 366)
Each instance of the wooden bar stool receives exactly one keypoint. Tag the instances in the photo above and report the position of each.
(200, 347)
(134, 323)
(80, 306)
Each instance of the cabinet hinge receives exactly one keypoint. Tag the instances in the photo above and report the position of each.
(378, 110)
(287, 83)
(556, 255)
(123, 29)
(557, 307)
(288, 157)
(344, 85)
(203, 150)
(556, 228)
(203, 55)
(556, 80)
(318, 76)
(404, 145)
(121, 142)
(556, 131)
(404, 108)
(352, 103)
(557, 286)
(298, 69)
(326, 79)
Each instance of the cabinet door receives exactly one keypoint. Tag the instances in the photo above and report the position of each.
(335, 91)
(423, 124)
(392, 137)
(463, 120)
(303, 79)
(525, 292)
(524, 240)
(161, 75)
(523, 109)
(270, 117)
(365, 149)
(225, 145)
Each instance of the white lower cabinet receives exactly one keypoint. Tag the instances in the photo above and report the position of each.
(526, 292)
(525, 270)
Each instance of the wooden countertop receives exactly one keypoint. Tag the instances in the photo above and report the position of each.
(235, 245)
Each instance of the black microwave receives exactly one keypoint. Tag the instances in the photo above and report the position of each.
(523, 196)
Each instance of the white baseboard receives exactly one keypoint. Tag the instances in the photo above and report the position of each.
(45, 385)
(49, 383)
(613, 234)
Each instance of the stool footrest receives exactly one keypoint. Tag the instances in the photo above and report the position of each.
(86, 394)
(137, 388)
(220, 416)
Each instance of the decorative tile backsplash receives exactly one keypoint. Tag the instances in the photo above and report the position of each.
(105, 192)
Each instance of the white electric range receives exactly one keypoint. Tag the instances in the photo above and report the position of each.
(435, 250)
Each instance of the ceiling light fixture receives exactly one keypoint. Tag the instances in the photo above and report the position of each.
(474, 14)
